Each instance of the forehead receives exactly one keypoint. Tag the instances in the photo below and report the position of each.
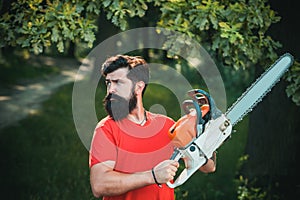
(120, 73)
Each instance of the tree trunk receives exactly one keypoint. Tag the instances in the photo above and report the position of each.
(274, 124)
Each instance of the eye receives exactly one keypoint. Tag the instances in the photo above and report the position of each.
(107, 83)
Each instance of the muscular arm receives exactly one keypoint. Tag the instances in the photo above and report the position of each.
(107, 182)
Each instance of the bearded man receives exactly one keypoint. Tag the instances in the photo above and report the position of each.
(130, 150)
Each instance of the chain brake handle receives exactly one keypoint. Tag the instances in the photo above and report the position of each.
(200, 101)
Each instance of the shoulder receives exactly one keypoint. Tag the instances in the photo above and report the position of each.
(105, 129)
(106, 125)
(105, 121)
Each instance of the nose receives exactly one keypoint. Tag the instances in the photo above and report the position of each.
(111, 89)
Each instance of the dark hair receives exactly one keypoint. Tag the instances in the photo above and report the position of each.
(137, 66)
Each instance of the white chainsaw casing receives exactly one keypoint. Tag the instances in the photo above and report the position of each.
(215, 133)
(201, 148)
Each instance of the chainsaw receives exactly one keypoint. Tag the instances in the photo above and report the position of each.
(204, 128)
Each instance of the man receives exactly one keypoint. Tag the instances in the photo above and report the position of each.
(130, 150)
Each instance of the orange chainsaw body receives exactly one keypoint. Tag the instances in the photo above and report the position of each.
(183, 132)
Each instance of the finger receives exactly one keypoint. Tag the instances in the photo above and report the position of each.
(173, 174)
(175, 163)
(173, 168)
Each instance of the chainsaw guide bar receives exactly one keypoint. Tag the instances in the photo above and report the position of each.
(255, 93)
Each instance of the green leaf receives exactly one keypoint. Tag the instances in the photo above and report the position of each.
(60, 46)
(224, 25)
(106, 3)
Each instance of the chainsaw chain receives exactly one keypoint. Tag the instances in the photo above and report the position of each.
(259, 98)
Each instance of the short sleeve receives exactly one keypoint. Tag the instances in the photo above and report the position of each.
(103, 145)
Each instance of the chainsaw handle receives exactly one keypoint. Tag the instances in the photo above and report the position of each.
(175, 156)
(192, 162)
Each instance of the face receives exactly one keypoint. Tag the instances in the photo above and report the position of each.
(120, 99)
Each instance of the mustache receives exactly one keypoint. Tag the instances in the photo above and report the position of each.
(110, 96)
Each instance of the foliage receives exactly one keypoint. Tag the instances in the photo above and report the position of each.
(293, 89)
(248, 192)
(233, 32)
(118, 12)
(36, 24)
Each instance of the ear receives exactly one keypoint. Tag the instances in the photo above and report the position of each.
(139, 86)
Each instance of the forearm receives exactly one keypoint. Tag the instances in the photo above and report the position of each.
(112, 183)
(107, 182)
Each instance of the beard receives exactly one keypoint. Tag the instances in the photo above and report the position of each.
(118, 107)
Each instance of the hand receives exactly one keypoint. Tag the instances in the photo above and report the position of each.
(210, 166)
(165, 171)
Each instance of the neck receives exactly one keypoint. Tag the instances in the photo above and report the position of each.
(138, 116)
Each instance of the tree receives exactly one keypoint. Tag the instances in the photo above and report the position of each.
(234, 32)
(273, 138)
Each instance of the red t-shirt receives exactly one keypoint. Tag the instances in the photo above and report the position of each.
(134, 148)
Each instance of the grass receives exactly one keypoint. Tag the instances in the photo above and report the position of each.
(43, 157)
(20, 69)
